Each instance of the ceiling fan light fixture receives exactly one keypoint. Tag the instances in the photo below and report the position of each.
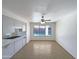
(42, 20)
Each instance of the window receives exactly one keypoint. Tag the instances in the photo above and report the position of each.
(42, 31)
(49, 31)
(39, 31)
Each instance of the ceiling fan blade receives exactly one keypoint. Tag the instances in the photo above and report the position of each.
(47, 20)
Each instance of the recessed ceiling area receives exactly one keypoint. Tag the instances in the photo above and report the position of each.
(53, 9)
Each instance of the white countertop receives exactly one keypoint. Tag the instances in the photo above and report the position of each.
(9, 41)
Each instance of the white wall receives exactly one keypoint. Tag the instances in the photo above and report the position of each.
(66, 33)
(28, 32)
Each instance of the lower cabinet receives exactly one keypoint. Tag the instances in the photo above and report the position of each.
(18, 45)
(24, 41)
(9, 50)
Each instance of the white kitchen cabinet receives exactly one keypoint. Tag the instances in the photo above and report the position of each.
(18, 45)
(24, 41)
(8, 51)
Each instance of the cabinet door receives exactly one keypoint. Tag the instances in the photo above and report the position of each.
(24, 41)
(8, 51)
(5, 57)
(18, 45)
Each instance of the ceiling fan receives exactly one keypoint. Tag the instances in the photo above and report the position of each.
(43, 20)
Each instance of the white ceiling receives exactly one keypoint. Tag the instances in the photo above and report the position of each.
(52, 8)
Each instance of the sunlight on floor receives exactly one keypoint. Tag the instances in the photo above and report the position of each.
(42, 49)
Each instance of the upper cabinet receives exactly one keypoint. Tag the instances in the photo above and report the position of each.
(7, 25)
(11, 25)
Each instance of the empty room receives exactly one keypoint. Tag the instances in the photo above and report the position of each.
(39, 29)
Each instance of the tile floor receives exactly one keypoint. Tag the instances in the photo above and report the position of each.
(42, 50)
